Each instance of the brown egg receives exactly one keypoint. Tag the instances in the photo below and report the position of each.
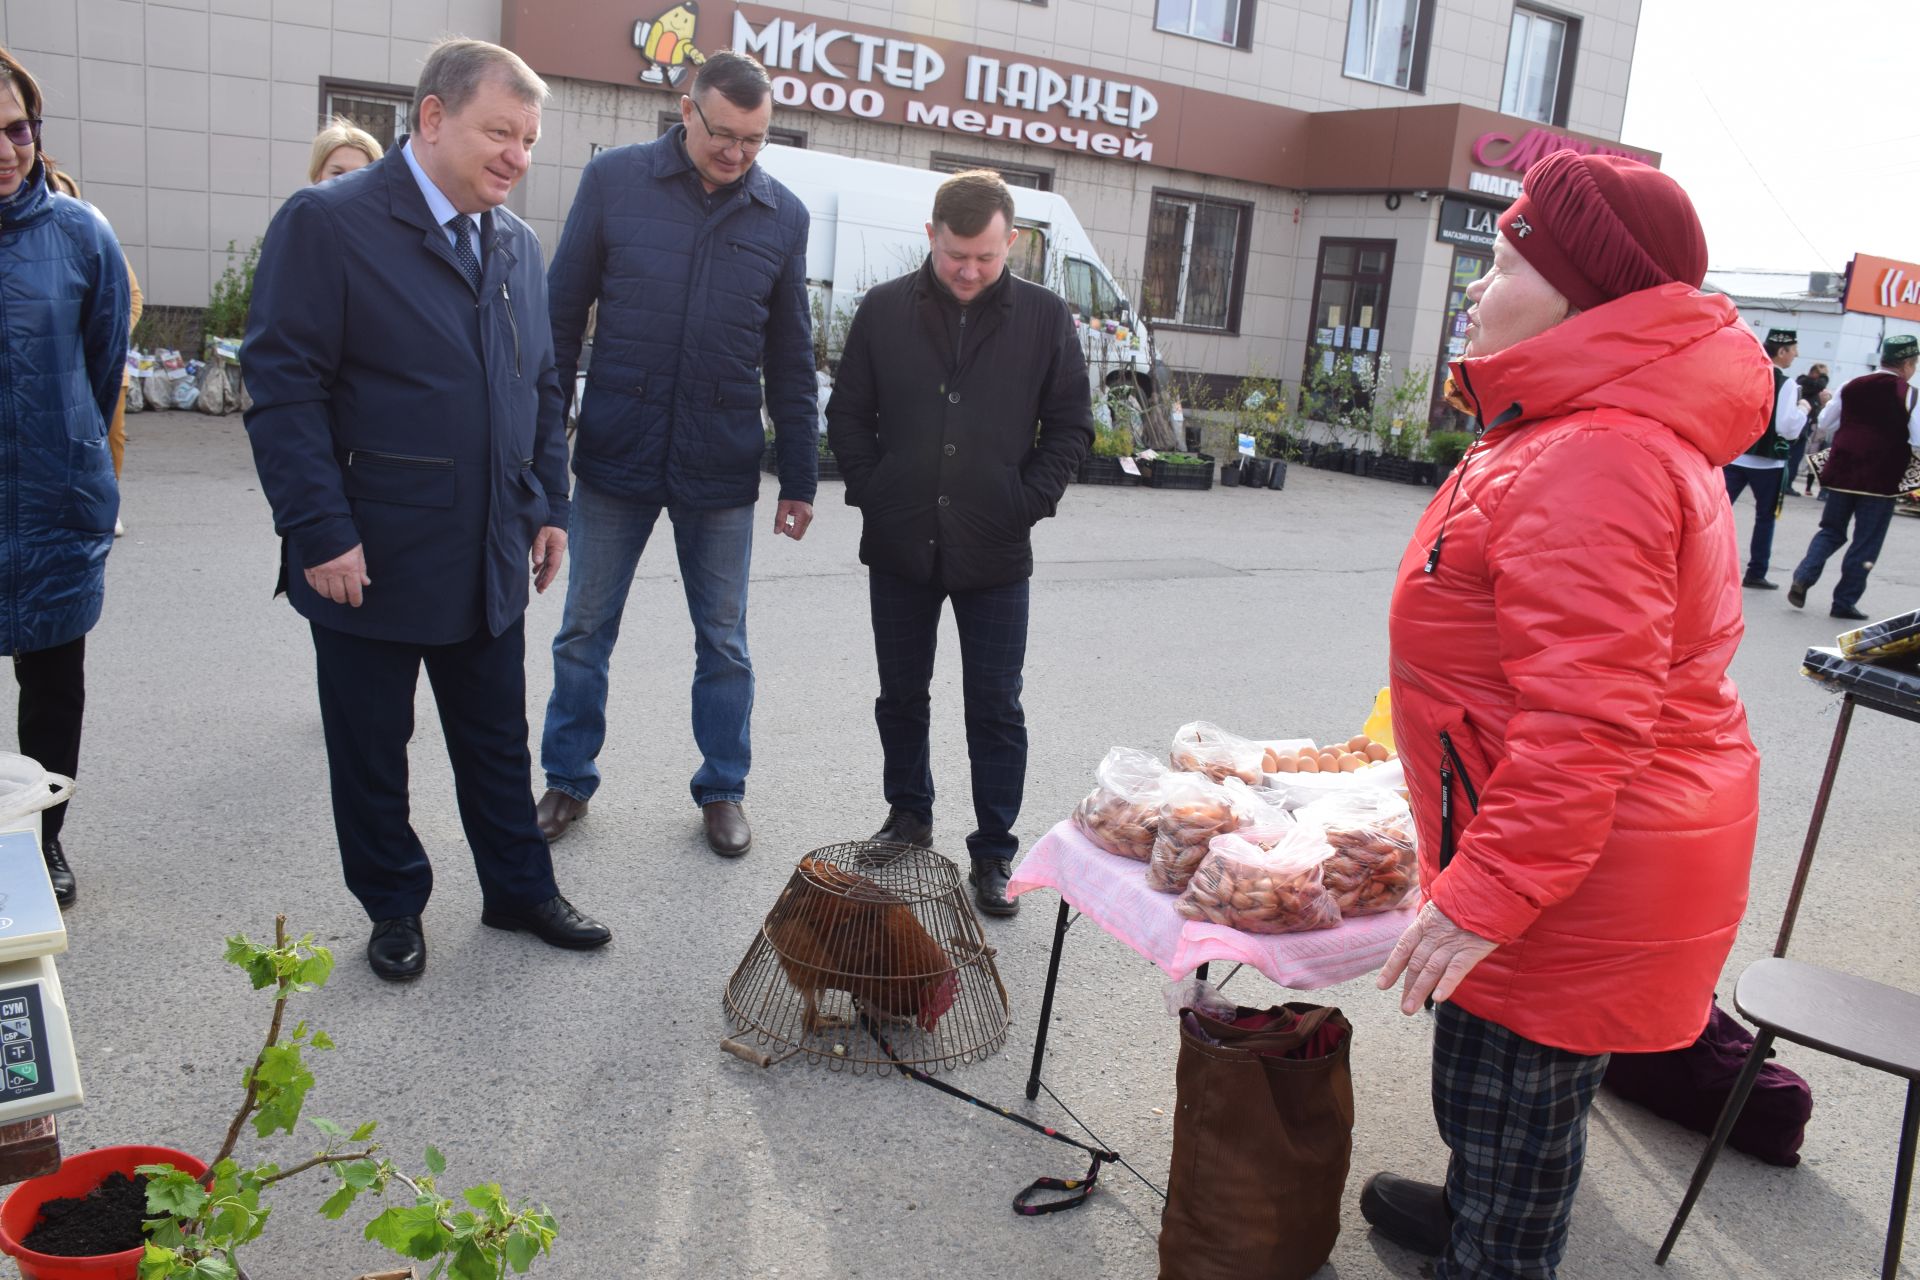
(1329, 761)
(1287, 764)
(1309, 753)
(1309, 765)
(1351, 762)
(1377, 753)
(1358, 742)
(1270, 760)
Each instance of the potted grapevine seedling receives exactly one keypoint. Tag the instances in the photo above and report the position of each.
(193, 1219)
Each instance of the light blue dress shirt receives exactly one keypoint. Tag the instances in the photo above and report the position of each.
(437, 204)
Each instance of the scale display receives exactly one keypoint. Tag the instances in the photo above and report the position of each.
(38, 1074)
(23, 1046)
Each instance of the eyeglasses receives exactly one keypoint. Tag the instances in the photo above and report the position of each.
(23, 133)
(727, 141)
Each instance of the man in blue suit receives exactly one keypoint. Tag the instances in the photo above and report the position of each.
(397, 349)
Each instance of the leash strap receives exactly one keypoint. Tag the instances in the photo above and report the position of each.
(1078, 1189)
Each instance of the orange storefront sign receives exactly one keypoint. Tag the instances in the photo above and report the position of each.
(1884, 287)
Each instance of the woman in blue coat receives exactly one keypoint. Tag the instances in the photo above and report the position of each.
(63, 344)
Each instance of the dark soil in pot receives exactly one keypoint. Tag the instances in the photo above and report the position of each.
(108, 1219)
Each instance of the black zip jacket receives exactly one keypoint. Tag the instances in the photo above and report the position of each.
(957, 429)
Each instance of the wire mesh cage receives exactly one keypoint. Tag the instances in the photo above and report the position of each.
(872, 957)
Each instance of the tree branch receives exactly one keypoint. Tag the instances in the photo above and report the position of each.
(273, 1038)
(346, 1157)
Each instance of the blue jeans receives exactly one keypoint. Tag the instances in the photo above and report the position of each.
(1765, 483)
(993, 650)
(1870, 517)
(605, 536)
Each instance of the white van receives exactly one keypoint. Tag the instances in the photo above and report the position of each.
(869, 226)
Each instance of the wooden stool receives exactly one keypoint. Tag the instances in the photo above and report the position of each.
(1853, 1018)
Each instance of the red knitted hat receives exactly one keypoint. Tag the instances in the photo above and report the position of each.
(1600, 227)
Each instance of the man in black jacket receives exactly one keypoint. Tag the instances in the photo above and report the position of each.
(945, 375)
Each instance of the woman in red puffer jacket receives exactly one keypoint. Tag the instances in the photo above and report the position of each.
(1581, 773)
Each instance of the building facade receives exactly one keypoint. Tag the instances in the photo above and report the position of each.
(1276, 182)
(1843, 318)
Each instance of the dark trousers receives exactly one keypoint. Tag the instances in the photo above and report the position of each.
(1765, 484)
(366, 710)
(53, 697)
(993, 650)
(1514, 1115)
(1870, 517)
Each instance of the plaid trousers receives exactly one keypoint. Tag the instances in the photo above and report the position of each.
(1514, 1115)
(993, 650)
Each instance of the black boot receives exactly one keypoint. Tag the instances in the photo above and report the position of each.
(1413, 1215)
(989, 877)
(902, 827)
(65, 890)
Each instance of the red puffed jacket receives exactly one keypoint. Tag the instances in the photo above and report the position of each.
(1581, 773)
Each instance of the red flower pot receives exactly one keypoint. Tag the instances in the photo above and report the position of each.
(76, 1176)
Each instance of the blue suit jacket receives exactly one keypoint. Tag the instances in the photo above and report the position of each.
(396, 406)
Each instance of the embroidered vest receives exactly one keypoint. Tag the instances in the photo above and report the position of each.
(1870, 449)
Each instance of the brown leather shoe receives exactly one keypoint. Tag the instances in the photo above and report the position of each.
(556, 812)
(727, 831)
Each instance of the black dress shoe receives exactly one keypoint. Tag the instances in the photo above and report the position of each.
(989, 877)
(727, 831)
(397, 950)
(556, 812)
(65, 890)
(1759, 584)
(1413, 1215)
(1848, 612)
(556, 922)
(902, 827)
(1797, 594)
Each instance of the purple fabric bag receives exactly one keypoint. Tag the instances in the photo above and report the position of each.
(1690, 1086)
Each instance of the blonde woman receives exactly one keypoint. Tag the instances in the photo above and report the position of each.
(340, 148)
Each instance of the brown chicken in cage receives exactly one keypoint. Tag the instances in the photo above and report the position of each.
(851, 935)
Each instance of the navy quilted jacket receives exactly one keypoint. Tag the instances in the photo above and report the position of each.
(63, 348)
(694, 307)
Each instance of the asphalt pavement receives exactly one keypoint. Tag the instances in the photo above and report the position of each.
(595, 1083)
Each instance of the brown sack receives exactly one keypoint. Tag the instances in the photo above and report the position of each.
(1261, 1144)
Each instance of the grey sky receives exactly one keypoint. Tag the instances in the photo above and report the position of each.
(1818, 98)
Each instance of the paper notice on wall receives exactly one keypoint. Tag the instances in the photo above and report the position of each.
(1373, 339)
(1333, 315)
(1326, 362)
(1340, 335)
(1366, 317)
(1325, 337)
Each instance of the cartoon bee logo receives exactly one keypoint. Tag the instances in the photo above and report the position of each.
(666, 42)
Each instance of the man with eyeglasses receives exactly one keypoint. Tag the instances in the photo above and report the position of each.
(697, 260)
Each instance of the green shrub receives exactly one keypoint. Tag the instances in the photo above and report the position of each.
(232, 294)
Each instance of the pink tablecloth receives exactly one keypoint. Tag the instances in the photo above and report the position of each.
(1112, 892)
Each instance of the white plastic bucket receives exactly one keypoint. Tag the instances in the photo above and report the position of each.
(25, 790)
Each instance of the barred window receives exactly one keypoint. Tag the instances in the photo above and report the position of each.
(379, 109)
(1196, 260)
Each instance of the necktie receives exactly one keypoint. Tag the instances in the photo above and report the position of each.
(463, 253)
